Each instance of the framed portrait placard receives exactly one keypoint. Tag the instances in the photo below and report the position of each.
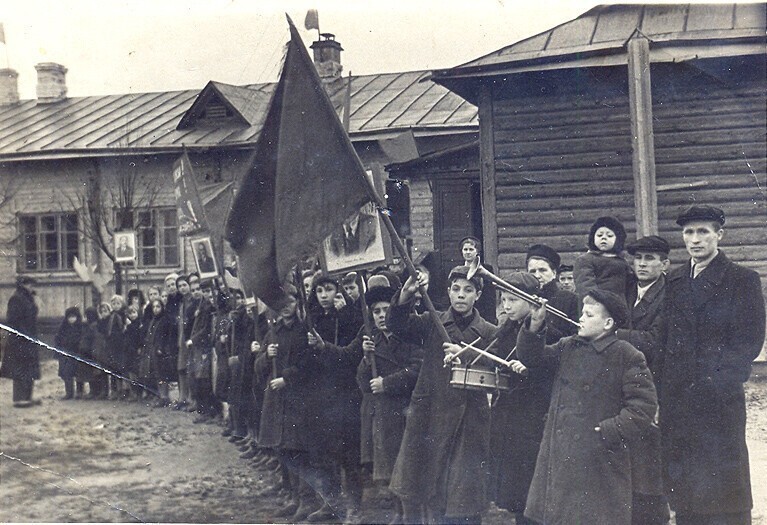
(361, 242)
(204, 258)
(125, 246)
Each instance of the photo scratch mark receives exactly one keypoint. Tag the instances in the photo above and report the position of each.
(3, 455)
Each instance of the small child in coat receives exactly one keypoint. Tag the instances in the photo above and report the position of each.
(603, 400)
(603, 266)
(68, 340)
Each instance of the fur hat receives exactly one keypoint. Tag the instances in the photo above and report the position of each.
(615, 226)
(379, 294)
(614, 304)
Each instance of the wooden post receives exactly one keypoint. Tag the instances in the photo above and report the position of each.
(487, 175)
(642, 140)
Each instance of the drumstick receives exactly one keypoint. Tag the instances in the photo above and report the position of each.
(490, 356)
(486, 349)
(453, 357)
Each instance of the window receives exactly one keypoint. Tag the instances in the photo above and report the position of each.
(157, 233)
(48, 242)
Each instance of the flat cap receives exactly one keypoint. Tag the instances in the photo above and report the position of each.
(470, 238)
(525, 282)
(701, 213)
(614, 304)
(544, 252)
(651, 243)
(379, 294)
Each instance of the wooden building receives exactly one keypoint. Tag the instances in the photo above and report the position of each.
(53, 147)
(635, 111)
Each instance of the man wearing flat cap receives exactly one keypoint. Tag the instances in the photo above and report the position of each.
(646, 301)
(20, 359)
(714, 329)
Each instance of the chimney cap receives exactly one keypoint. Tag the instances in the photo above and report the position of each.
(49, 66)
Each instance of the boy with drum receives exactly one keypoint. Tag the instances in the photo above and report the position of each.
(441, 464)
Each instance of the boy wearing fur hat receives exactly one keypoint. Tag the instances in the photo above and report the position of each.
(441, 466)
(603, 399)
(397, 366)
(602, 266)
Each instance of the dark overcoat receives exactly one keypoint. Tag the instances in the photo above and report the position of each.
(644, 335)
(68, 340)
(715, 329)
(91, 343)
(594, 270)
(398, 364)
(20, 357)
(283, 414)
(581, 475)
(201, 335)
(565, 301)
(442, 458)
(158, 348)
(518, 418)
(334, 410)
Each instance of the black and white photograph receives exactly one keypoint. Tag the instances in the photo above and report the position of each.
(204, 258)
(409, 262)
(125, 246)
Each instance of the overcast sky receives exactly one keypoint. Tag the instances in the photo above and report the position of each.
(128, 46)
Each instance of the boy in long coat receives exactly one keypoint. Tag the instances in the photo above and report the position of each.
(442, 460)
(603, 400)
(715, 319)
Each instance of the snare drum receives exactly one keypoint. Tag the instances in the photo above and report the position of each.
(479, 378)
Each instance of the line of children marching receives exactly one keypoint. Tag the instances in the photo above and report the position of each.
(318, 395)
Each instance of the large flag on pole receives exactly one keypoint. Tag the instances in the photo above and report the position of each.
(306, 180)
(191, 212)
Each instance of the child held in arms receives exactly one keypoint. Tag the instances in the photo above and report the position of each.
(603, 400)
(602, 266)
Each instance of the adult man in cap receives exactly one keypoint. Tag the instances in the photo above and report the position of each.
(20, 359)
(646, 300)
(715, 321)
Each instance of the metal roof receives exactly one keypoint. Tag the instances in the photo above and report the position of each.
(676, 32)
(148, 122)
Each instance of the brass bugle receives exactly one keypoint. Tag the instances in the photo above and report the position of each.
(476, 268)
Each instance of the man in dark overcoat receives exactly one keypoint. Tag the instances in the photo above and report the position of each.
(715, 320)
(441, 464)
(646, 300)
(21, 362)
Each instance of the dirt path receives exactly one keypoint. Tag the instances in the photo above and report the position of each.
(101, 461)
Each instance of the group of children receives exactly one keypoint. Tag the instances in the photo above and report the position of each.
(327, 396)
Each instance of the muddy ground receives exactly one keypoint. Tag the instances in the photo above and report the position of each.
(115, 461)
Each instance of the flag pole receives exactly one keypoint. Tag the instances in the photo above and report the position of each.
(384, 213)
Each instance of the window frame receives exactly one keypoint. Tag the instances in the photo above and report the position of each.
(41, 251)
(161, 232)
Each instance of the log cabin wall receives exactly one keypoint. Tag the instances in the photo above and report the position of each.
(710, 120)
(562, 159)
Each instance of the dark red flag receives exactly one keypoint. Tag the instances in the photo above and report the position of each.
(305, 181)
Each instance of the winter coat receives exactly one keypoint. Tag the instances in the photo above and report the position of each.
(446, 442)
(593, 270)
(20, 357)
(398, 363)
(283, 414)
(185, 320)
(581, 475)
(158, 349)
(516, 429)
(565, 301)
(334, 409)
(132, 344)
(68, 340)
(201, 335)
(91, 343)
(715, 329)
(644, 335)
(113, 328)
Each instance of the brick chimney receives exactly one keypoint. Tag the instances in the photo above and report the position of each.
(51, 82)
(327, 57)
(9, 87)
